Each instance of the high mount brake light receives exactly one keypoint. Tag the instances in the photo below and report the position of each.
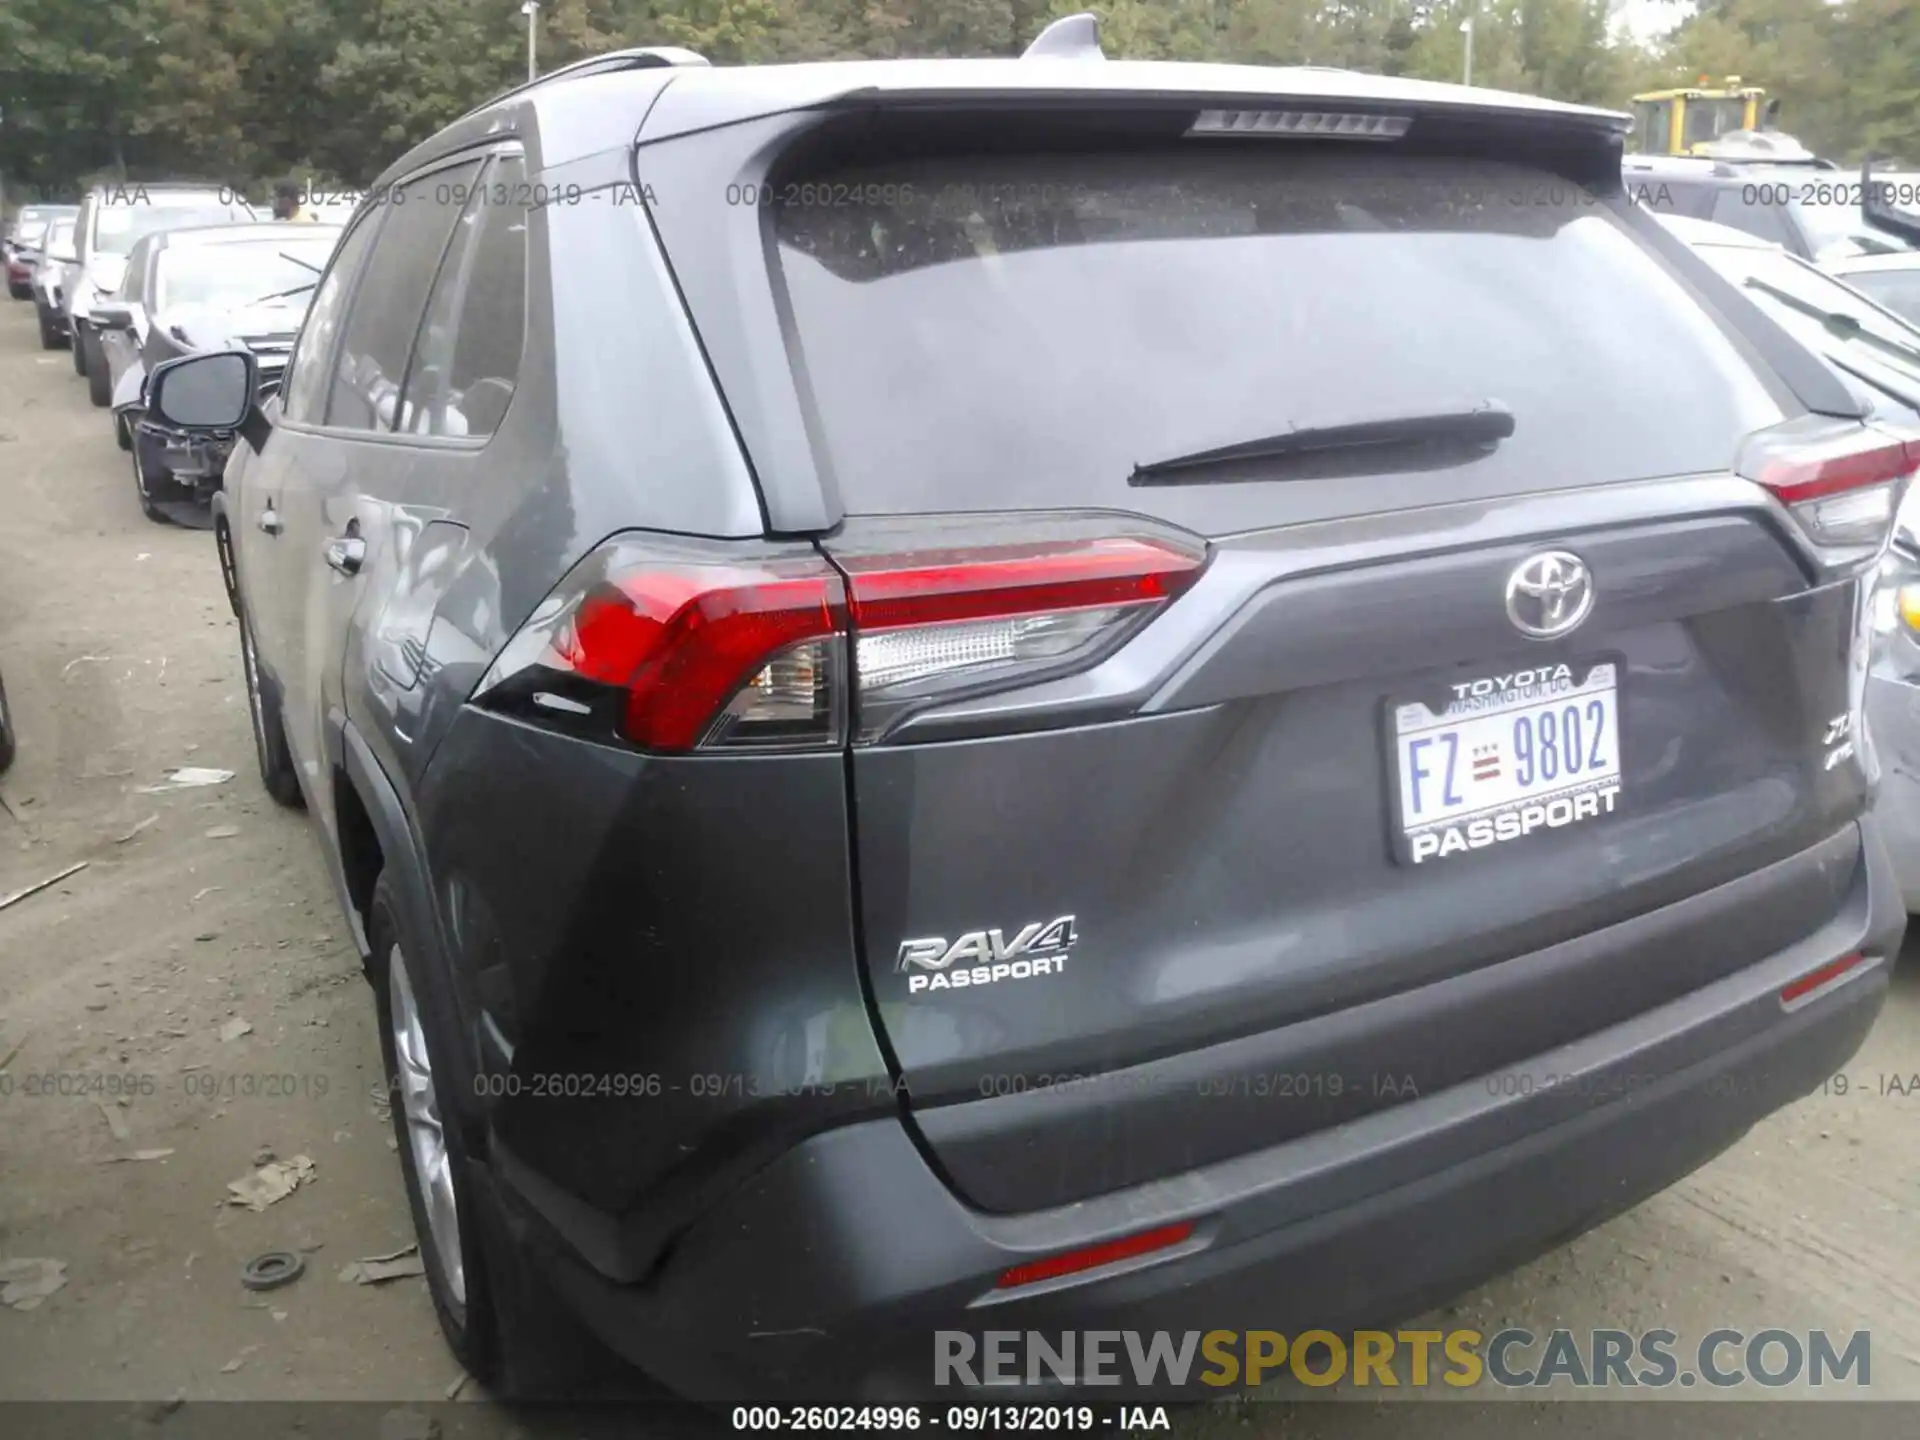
(674, 653)
(1320, 124)
(1841, 482)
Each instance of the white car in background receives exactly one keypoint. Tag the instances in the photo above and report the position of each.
(1878, 354)
(1892, 280)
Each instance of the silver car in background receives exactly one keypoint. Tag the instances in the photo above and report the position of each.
(1877, 353)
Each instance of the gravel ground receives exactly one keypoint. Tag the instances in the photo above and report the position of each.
(205, 911)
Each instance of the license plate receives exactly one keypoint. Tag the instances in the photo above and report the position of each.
(1505, 757)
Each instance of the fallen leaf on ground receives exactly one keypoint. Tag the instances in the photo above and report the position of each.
(141, 1155)
(189, 777)
(270, 1183)
(116, 1122)
(25, 1283)
(223, 832)
(235, 1028)
(237, 1361)
(373, 1269)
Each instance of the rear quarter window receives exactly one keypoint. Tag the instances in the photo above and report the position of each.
(1024, 331)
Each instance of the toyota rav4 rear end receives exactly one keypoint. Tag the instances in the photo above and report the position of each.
(1292, 741)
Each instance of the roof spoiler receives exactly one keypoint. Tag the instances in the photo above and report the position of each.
(1072, 37)
(1877, 212)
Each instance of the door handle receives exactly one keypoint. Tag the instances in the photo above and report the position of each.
(270, 520)
(346, 554)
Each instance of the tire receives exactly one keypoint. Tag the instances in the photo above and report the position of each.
(277, 771)
(20, 292)
(123, 431)
(6, 731)
(99, 376)
(499, 1318)
(50, 336)
(77, 342)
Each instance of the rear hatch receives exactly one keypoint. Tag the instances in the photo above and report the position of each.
(1291, 583)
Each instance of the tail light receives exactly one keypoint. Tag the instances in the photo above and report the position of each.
(1841, 481)
(931, 625)
(674, 650)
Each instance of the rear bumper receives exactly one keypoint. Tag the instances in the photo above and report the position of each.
(827, 1275)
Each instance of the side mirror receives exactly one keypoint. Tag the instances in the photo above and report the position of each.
(112, 317)
(203, 392)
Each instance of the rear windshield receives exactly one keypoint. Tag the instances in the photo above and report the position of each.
(117, 226)
(1898, 290)
(1008, 332)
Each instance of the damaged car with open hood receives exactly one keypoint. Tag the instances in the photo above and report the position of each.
(192, 290)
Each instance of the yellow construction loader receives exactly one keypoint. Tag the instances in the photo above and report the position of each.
(1681, 122)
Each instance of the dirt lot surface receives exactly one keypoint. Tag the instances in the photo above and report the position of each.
(203, 912)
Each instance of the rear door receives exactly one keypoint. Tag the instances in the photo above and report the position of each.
(271, 561)
(341, 512)
(1166, 750)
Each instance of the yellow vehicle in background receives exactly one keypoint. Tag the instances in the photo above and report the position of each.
(1681, 122)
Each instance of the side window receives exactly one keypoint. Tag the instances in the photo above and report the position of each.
(387, 307)
(1692, 200)
(1656, 123)
(133, 288)
(1759, 220)
(305, 390)
(467, 361)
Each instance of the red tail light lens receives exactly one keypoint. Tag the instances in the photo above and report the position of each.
(672, 650)
(1841, 480)
(674, 654)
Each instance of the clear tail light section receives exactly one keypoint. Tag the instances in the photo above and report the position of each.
(677, 647)
(1840, 480)
(996, 604)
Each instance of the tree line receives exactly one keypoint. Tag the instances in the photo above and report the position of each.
(245, 91)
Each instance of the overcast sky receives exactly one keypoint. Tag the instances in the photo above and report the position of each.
(1646, 19)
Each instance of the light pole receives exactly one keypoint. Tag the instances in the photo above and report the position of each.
(1466, 29)
(530, 9)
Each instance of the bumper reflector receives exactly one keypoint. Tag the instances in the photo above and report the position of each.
(1093, 1257)
(1816, 978)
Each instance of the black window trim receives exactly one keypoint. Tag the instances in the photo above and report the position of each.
(492, 152)
(374, 210)
(1803, 375)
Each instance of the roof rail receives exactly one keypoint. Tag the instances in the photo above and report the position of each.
(1072, 37)
(642, 57)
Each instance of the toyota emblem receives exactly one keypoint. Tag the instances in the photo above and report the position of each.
(1549, 594)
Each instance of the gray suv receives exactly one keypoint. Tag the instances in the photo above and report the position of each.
(1031, 695)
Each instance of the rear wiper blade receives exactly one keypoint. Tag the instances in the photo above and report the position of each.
(283, 294)
(1452, 434)
(303, 264)
(1837, 323)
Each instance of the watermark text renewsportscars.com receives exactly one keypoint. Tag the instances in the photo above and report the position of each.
(1510, 1359)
